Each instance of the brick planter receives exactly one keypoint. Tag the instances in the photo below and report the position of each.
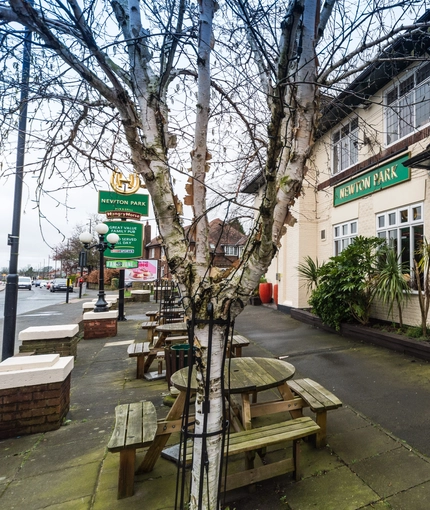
(34, 394)
(100, 324)
(141, 296)
(62, 340)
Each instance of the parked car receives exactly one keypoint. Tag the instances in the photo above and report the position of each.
(60, 284)
(24, 282)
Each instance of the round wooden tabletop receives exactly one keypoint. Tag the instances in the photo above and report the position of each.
(244, 375)
(172, 327)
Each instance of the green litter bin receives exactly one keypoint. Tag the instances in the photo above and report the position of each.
(180, 351)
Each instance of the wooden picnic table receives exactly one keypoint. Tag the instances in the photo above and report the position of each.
(248, 376)
(170, 329)
(164, 331)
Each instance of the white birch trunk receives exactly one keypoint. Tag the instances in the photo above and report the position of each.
(209, 418)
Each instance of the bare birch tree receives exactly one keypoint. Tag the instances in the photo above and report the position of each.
(206, 91)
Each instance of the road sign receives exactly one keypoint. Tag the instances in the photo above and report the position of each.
(122, 264)
(130, 244)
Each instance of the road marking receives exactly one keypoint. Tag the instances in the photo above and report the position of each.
(120, 342)
(41, 314)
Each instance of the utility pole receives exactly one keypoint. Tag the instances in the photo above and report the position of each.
(11, 296)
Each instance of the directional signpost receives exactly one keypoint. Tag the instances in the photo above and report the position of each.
(122, 204)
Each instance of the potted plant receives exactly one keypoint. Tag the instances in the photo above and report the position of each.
(265, 290)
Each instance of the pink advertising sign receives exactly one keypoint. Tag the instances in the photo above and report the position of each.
(146, 271)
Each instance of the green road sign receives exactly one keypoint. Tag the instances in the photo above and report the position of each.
(130, 244)
(122, 264)
(115, 204)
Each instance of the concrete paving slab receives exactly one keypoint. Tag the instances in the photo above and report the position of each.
(315, 462)
(18, 445)
(416, 498)
(345, 418)
(76, 504)
(354, 445)
(67, 455)
(53, 488)
(76, 431)
(337, 489)
(392, 472)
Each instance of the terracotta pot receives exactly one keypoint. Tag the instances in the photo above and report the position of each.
(275, 293)
(265, 291)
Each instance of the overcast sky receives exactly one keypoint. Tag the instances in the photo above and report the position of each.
(33, 250)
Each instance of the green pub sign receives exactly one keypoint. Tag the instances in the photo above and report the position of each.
(387, 175)
(130, 244)
(111, 202)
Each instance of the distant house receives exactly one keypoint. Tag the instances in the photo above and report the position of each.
(226, 244)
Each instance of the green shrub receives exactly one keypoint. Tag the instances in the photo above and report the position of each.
(346, 283)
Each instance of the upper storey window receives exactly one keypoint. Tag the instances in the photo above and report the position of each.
(345, 146)
(408, 104)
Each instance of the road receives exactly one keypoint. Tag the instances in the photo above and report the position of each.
(38, 303)
(29, 300)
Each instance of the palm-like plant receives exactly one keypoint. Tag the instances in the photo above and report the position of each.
(392, 281)
(309, 271)
(422, 280)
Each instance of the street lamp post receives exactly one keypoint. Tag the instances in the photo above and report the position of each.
(111, 239)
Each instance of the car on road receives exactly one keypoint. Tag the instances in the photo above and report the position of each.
(24, 282)
(60, 284)
(36, 283)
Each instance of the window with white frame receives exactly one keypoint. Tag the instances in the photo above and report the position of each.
(408, 104)
(231, 250)
(344, 234)
(345, 146)
(403, 228)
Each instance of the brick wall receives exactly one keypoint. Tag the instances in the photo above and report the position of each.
(33, 409)
(100, 328)
(62, 346)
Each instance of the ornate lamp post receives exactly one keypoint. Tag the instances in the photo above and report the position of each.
(111, 239)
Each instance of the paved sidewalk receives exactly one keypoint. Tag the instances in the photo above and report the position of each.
(363, 465)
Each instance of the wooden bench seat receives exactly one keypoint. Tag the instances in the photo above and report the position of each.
(139, 350)
(135, 427)
(239, 341)
(150, 328)
(172, 339)
(262, 437)
(319, 400)
(258, 439)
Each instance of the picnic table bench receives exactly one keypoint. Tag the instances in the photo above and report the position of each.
(150, 328)
(319, 400)
(139, 350)
(136, 426)
(238, 342)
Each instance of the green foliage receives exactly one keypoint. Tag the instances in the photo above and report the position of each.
(309, 272)
(346, 283)
(422, 280)
(415, 332)
(392, 281)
